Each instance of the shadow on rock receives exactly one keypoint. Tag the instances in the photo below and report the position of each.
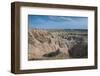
(79, 51)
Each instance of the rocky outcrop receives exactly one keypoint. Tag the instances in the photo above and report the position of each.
(43, 45)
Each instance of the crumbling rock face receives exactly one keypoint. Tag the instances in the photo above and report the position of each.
(45, 45)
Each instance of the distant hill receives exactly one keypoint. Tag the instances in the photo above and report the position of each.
(80, 30)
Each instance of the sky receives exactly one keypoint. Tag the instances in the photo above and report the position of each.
(57, 22)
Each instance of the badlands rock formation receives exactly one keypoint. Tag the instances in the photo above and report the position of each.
(44, 45)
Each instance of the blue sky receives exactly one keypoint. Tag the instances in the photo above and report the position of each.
(57, 22)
